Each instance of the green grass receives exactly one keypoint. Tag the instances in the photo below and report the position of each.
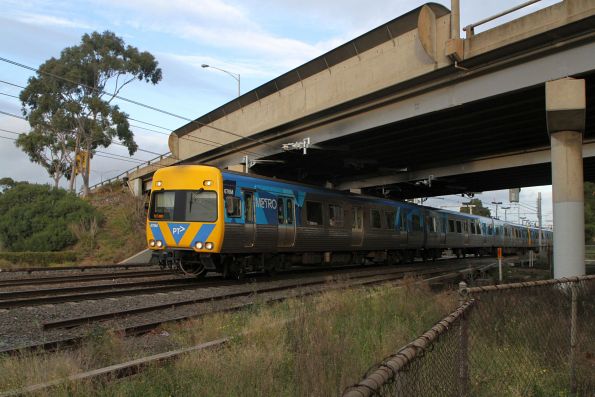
(330, 342)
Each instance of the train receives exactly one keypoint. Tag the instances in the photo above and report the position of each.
(204, 219)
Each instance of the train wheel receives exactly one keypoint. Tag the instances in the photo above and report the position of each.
(195, 269)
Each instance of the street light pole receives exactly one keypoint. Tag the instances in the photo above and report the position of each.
(505, 212)
(236, 76)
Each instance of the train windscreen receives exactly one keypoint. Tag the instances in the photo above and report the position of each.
(184, 206)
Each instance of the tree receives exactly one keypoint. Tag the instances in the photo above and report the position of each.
(37, 217)
(478, 208)
(589, 212)
(50, 144)
(74, 88)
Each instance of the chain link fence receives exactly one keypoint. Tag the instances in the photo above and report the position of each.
(523, 339)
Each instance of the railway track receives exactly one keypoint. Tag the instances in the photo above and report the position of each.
(136, 366)
(71, 268)
(81, 277)
(137, 322)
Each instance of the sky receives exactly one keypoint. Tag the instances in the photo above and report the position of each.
(258, 39)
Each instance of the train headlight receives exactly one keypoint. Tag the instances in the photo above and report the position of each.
(208, 183)
(151, 243)
(159, 183)
(159, 243)
(198, 245)
(209, 246)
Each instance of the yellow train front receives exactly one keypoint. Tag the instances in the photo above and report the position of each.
(185, 223)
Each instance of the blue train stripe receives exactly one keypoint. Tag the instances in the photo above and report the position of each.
(157, 235)
(204, 232)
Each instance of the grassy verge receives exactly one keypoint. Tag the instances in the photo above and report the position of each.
(122, 232)
(330, 343)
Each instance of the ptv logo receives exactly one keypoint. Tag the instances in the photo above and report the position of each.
(178, 230)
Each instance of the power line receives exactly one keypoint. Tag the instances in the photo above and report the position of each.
(5, 137)
(200, 140)
(10, 95)
(115, 143)
(12, 84)
(134, 102)
(97, 151)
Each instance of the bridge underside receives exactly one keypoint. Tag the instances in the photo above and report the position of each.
(397, 159)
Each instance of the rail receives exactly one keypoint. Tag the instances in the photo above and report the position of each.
(470, 29)
(127, 172)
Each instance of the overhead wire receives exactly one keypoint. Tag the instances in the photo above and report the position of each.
(134, 102)
(195, 139)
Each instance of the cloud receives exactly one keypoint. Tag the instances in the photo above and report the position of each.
(48, 20)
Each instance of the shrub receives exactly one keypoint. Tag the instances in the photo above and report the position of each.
(37, 217)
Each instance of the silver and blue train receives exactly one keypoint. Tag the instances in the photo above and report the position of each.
(203, 219)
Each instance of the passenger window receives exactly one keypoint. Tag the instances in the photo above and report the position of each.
(233, 206)
(390, 220)
(403, 219)
(280, 211)
(357, 218)
(415, 222)
(459, 230)
(376, 219)
(313, 213)
(473, 228)
(451, 226)
(289, 212)
(335, 215)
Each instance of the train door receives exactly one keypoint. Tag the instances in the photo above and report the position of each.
(249, 219)
(357, 227)
(286, 216)
(466, 232)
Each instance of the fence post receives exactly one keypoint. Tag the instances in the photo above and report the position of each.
(463, 344)
(572, 358)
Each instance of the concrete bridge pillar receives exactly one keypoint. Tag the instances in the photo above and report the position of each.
(565, 110)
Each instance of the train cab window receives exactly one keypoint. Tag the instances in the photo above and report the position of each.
(375, 219)
(233, 206)
(201, 206)
(335, 215)
(415, 222)
(459, 228)
(451, 226)
(163, 205)
(390, 219)
(313, 213)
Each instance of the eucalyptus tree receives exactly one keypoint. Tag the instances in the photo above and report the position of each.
(81, 86)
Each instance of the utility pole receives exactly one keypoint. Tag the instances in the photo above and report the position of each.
(497, 203)
(539, 217)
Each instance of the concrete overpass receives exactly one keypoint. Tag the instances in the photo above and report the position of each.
(410, 109)
(391, 107)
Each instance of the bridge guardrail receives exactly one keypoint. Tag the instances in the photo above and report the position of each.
(127, 172)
